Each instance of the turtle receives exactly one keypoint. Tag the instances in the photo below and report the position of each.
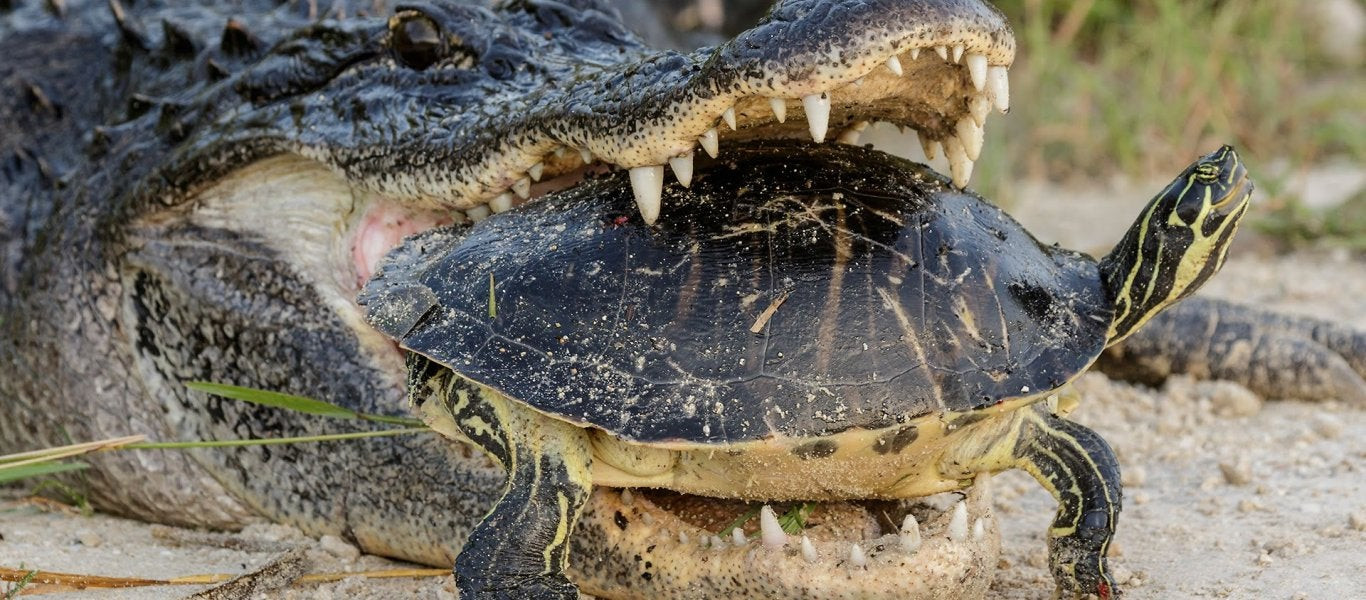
(817, 322)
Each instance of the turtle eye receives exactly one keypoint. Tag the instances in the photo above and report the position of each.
(1207, 173)
(416, 40)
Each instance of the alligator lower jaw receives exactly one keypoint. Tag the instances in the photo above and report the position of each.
(664, 545)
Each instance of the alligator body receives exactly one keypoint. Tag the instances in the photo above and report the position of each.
(190, 191)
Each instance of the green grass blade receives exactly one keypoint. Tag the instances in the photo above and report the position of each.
(276, 441)
(8, 474)
(295, 403)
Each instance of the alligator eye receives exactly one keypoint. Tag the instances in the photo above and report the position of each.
(416, 40)
(1207, 173)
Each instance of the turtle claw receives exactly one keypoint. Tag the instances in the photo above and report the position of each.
(1078, 561)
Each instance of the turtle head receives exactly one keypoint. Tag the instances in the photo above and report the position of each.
(1178, 242)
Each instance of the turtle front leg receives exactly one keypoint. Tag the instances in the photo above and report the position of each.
(1074, 464)
(1274, 355)
(521, 548)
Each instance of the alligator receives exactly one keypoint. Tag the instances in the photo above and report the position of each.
(196, 191)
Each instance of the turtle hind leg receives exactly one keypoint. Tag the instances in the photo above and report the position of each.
(521, 548)
(1078, 468)
(1274, 355)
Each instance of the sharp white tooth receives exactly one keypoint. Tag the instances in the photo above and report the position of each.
(478, 213)
(709, 142)
(682, 166)
(958, 524)
(523, 187)
(682, 537)
(978, 529)
(1052, 404)
(856, 556)
(769, 529)
(915, 53)
(894, 65)
(851, 134)
(647, 518)
(957, 52)
(729, 117)
(910, 534)
(999, 80)
(648, 184)
(972, 137)
(931, 147)
(858, 82)
(960, 166)
(536, 171)
(501, 203)
(561, 152)
(586, 155)
(979, 107)
(809, 551)
(626, 497)
(716, 542)
(779, 107)
(737, 536)
(942, 51)
(977, 67)
(817, 114)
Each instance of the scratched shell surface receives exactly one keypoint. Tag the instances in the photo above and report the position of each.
(879, 294)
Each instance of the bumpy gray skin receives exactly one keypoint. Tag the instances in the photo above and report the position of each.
(111, 296)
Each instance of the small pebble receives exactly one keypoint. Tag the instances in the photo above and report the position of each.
(1328, 426)
(1357, 520)
(338, 547)
(1142, 497)
(1133, 476)
(1248, 506)
(1239, 473)
(90, 539)
(1232, 400)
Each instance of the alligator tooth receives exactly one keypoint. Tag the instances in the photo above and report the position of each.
(977, 67)
(682, 166)
(522, 187)
(536, 171)
(979, 107)
(972, 136)
(978, 529)
(894, 65)
(716, 542)
(770, 530)
(931, 147)
(851, 134)
(957, 52)
(478, 213)
(647, 518)
(858, 82)
(737, 536)
(960, 166)
(1052, 404)
(501, 203)
(561, 152)
(958, 524)
(682, 537)
(910, 534)
(586, 156)
(856, 556)
(915, 53)
(779, 107)
(942, 51)
(709, 142)
(809, 550)
(626, 497)
(729, 117)
(999, 79)
(648, 184)
(817, 114)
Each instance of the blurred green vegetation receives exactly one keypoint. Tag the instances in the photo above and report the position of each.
(1141, 87)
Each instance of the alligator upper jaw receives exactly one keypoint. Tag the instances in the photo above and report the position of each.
(820, 69)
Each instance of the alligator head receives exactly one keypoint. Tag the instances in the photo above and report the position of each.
(239, 177)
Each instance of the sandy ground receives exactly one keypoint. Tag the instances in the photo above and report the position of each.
(1227, 495)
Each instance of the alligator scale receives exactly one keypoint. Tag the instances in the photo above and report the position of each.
(198, 191)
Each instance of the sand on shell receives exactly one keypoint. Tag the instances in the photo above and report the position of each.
(1227, 495)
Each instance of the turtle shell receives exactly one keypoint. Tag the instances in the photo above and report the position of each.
(793, 290)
